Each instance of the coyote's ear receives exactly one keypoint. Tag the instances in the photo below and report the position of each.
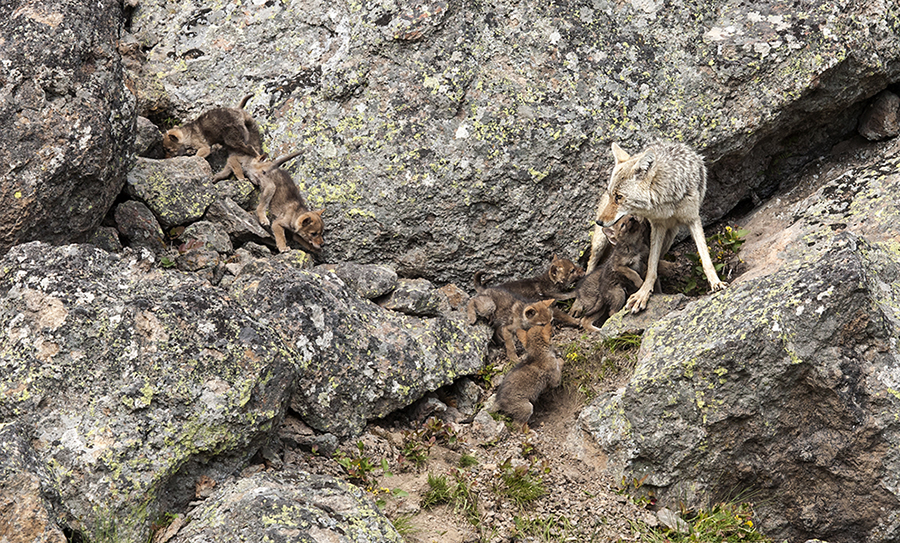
(646, 162)
(619, 153)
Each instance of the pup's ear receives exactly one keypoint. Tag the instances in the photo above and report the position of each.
(320, 212)
(619, 153)
(610, 234)
(546, 332)
(172, 135)
(553, 272)
(523, 337)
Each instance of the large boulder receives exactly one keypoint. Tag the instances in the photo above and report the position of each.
(66, 117)
(358, 360)
(290, 505)
(784, 386)
(132, 381)
(458, 136)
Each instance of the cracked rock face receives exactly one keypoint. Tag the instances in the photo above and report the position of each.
(460, 136)
(783, 386)
(358, 360)
(66, 117)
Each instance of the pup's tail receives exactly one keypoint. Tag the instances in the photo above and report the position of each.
(244, 101)
(479, 286)
(281, 160)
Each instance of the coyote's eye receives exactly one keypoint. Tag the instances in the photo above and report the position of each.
(617, 198)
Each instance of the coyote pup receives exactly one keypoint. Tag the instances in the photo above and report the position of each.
(664, 184)
(557, 283)
(507, 313)
(522, 386)
(281, 195)
(233, 128)
(602, 293)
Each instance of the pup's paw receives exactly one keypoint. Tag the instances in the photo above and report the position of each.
(719, 285)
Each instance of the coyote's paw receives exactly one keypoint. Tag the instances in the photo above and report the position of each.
(638, 300)
(263, 221)
(719, 285)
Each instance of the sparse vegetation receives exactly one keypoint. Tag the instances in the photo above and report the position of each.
(418, 443)
(523, 483)
(723, 249)
(487, 373)
(415, 450)
(721, 523)
(358, 466)
(588, 363)
(404, 525)
(544, 527)
(457, 493)
(467, 461)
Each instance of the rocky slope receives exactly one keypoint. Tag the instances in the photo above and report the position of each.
(161, 359)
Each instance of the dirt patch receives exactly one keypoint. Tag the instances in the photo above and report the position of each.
(483, 461)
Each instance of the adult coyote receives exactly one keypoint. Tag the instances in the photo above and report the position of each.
(665, 184)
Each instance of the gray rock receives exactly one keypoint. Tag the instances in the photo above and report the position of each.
(481, 141)
(243, 193)
(106, 238)
(289, 505)
(66, 117)
(197, 259)
(627, 322)
(359, 361)
(297, 434)
(368, 280)
(784, 383)
(132, 381)
(239, 224)
(178, 190)
(207, 234)
(468, 395)
(672, 520)
(23, 505)
(296, 258)
(416, 297)
(881, 120)
(139, 226)
(148, 139)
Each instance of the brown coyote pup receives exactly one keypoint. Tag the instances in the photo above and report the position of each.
(522, 386)
(280, 195)
(602, 292)
(557, 283)
(507, 314)
(233, 128)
